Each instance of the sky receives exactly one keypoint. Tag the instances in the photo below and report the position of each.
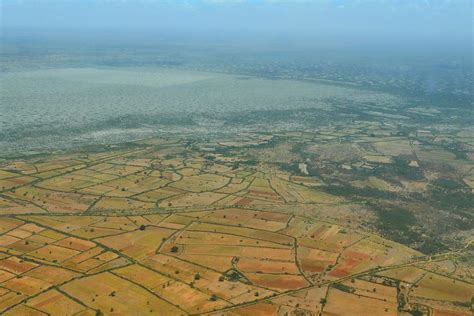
(411, 20)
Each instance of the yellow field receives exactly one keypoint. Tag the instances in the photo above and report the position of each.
(116, 295)
(442, 288)
(138, 244)
(342, 303)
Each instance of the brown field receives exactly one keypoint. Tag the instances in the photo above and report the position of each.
(144, 276)
(279, 282)
(120, 223)
(138, 244)
(308, 301)
(369, 253)
(186, 270)
(192, 199)
(244, 232)
(26, 285)
(18, 207)
(127, 299)
(114, 204)
(7, 224)
(315, 260)
(176, 221)
(54, 202)
(159, 194)
(12, 183)
(23, 310)
(9, 299)
(53, 275)
(266, 266)
(441, 288)
(346, 304)
(16, 265)
(196, 238)
(56, 303)
(373, 290)
(218, 263)
(408, 274)
(441, 312)
(201, 183)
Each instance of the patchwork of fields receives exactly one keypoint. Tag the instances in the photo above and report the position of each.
(154, 227)
(225, 261)
(120, 181)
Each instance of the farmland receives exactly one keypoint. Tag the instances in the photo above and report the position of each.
(236, 157)
(160, 227)
(218, 263)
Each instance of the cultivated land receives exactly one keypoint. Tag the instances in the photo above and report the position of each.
(234, 226)
(192, 177)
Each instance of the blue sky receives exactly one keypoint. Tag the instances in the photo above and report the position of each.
(415, 19)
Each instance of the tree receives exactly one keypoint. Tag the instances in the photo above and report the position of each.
(142, 227)
(174, 249)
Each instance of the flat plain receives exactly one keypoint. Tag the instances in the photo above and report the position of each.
(184, 178)
(160, 226)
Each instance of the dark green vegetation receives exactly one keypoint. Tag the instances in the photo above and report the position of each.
(344, 288)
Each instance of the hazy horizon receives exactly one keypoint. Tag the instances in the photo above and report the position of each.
(367, 21)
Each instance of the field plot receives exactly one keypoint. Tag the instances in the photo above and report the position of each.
(7, 206)
(201, 183)
(113, 294)
(113, 204)
(56, 303)
(138, 244)
(295, 192)
(309, 301)
(440, 288)
(140, 179)
(13, 183)
(405, 274)
(192, 199)
(54, 202)
(316, 260)
(367, 254)
(344, 303)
